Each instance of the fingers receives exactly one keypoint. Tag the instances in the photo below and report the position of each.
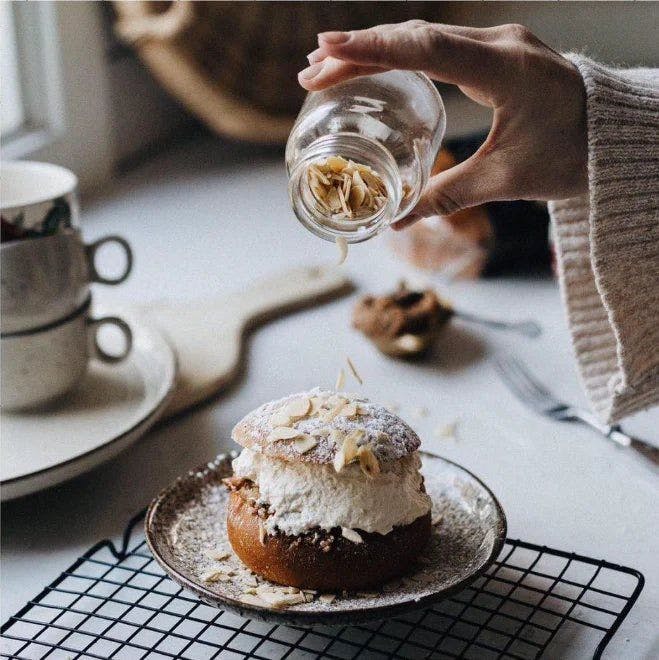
(331, 71)
(446, 53)
(475, 181)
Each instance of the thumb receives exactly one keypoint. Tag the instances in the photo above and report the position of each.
(472, 182)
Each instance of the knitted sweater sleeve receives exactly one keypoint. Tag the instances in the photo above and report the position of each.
(607, 242)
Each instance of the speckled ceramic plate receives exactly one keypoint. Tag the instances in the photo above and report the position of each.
(186, 522)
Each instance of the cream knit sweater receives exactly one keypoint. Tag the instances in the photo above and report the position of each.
(607, 242)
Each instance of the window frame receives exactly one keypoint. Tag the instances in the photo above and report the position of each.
(65, 89)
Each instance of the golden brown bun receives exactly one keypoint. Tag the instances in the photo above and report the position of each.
(299, 561)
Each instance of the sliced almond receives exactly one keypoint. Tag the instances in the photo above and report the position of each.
(278, 598)
(337, 437)
(316, 404)
(337, 163)
(217, 576)
(327, 598)
(342, 244)
(218, 554)
(340, 380)
(249, 581)
(348, 450)
(280, 418)
(368, 462)
(284, 433)
(339, 460)
(351, 535)
(350, 444)
(333, 199)
(354, 372)
(298, 408)
(320, 175)
(342, 198)
(305, 444)
(348, 410)
(250, 599)
(262, 533)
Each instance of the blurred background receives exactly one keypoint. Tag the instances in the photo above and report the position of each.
(100, 87)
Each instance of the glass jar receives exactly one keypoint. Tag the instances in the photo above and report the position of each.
(392, 122)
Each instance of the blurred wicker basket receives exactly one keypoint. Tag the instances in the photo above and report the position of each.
(235, 64)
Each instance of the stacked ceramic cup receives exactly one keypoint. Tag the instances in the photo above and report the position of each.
(47, 331)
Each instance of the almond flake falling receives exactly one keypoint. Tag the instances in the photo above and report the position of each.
(305, 444)
(342, 244)
(345, 190)
(354, 372)
(351, 535)
(340, 380)
(368, 462)
(284, 433)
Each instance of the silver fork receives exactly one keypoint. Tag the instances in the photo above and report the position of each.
(534, 395)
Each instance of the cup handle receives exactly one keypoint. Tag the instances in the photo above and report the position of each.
(91, 250)
(94, 325)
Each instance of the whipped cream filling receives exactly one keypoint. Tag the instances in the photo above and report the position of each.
(302, 496)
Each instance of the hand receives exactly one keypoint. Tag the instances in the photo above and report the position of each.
(536, 148)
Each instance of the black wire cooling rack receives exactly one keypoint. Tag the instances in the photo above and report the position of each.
(532, 602)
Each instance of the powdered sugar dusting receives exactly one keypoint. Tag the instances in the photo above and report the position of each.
(389, 437)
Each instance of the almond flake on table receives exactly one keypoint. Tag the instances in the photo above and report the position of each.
(348, 450)
(446, 431)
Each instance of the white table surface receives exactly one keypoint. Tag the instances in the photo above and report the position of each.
(207, 218)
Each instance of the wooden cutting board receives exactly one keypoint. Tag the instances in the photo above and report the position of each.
(207, 335)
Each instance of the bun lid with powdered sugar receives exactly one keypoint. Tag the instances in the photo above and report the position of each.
(325, 426)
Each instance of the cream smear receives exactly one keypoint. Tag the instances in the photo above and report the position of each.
(302, 496)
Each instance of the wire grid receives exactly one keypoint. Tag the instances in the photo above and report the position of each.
(533, 601)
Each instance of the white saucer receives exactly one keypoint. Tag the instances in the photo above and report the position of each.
(112, 407)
